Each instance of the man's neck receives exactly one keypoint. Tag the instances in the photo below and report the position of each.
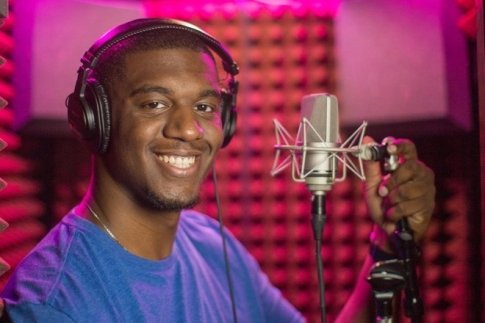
(146, 233)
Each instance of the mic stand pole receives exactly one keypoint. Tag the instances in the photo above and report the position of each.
(413, 303)
(318, 222)
(403, 239)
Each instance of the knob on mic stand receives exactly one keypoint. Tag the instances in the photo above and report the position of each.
(387, 279)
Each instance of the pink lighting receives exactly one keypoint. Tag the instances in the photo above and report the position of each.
(229, 9)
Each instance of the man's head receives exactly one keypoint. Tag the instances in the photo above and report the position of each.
(156, 96)
(88, 106)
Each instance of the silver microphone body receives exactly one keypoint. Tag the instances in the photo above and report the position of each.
(321, 111)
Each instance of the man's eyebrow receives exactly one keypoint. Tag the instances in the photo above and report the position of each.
(163, 90)
(150, 89)
(210, 93)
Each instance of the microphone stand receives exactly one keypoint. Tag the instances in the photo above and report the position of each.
(407, 250)
(403, 239)
(319, 151)
(318, 222)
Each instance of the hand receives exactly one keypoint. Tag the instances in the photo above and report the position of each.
(407, 192)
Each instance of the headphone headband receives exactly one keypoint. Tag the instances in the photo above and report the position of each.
(139, 26)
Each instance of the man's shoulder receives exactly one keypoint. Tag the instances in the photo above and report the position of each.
(200, 224)
(198, 219)
(53, 247)
(48, 262)
(205, 233)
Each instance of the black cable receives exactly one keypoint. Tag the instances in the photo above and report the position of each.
(224, 246)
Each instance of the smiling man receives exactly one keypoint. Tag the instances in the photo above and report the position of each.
(165, 131)
(151, 105)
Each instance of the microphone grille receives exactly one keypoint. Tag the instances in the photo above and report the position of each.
(321, 110)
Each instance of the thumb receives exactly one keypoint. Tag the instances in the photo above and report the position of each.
(373, 178)
(372, 170)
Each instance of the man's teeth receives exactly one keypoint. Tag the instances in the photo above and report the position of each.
(178, 161)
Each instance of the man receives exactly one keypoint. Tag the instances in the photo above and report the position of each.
(130, 251)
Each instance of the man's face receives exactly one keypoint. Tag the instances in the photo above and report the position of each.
(166, 127)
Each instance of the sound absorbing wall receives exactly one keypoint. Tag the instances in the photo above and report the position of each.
(20, 204)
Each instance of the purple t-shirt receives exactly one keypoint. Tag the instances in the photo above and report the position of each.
(77, 273)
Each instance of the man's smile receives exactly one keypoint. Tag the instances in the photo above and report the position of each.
(182, 162)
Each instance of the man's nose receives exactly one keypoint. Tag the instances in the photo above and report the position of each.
(183, 124)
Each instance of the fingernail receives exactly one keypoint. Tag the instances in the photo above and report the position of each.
(389, 227)
(2, 60)
(418, 218)
(3, 103)
(383, 191)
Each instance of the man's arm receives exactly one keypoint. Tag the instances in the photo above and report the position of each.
(409, 192)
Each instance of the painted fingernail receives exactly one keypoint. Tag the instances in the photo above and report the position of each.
(3, 103)
(383, 191)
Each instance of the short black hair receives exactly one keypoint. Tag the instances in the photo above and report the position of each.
(111, 63)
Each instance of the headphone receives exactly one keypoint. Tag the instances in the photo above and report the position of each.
(88, 107)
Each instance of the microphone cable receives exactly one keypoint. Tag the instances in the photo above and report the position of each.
(224, 246)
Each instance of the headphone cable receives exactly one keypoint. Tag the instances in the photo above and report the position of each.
(224, 246)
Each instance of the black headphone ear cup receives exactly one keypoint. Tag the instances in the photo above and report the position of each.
(76, 116)
(229, 118)
(98, 103)
(89, 115)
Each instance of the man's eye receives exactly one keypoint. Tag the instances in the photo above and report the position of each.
(205, 108)
(155, 105)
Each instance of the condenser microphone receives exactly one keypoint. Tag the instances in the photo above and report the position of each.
(317, 156)
(320, 137)
(314, 155)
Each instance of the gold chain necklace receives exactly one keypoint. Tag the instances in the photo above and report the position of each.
(105, 227)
